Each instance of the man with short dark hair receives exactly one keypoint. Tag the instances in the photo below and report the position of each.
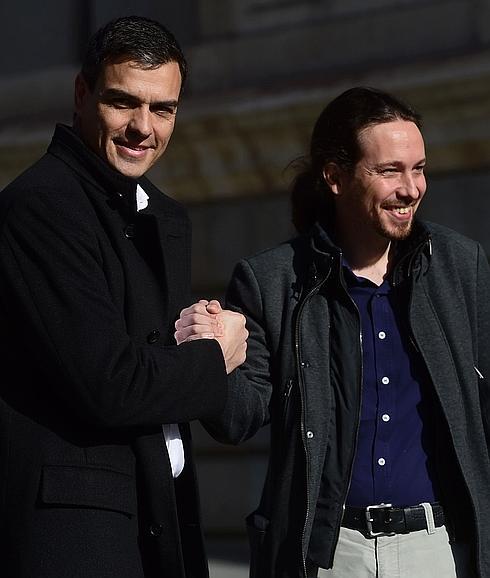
(368, 353)
(97, 473)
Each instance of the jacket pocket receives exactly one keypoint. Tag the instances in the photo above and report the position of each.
(88, 487)
(257, 526)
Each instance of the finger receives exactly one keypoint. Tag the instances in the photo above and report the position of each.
(186, 332)
(183, 338)
(214, 307)
(195, 308)
(200, 336)
(197, 319)
(179, 340)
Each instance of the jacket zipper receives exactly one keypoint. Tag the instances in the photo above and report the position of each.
(286, 398)
(478, 372)
(312, 292)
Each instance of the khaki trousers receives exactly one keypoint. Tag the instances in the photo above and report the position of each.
(415, 555)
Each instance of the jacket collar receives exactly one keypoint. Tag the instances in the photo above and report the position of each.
(69, 147)
(412, 254)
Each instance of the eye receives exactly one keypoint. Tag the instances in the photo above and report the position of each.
(121, 103)
(165, 112)
(419, 169)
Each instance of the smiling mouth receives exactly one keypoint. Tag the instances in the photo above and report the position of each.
(132, 151)
(133, 147)
(400, 213)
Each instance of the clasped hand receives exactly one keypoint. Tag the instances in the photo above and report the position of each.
(207, 320)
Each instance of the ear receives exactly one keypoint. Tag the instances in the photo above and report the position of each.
(81, 92)
(333, 177)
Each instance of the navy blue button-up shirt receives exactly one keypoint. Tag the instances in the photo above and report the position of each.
(395, 447)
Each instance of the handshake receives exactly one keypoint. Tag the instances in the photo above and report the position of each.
(207, 320)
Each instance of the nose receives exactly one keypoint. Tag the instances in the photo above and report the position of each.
(413, 186)
(140, 122)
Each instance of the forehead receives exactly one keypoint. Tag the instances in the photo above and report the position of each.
(133, 78)
(390, 141)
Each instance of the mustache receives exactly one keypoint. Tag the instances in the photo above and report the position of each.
(398, 204)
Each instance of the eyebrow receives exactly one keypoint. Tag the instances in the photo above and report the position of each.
(422, 161)
(116, 93)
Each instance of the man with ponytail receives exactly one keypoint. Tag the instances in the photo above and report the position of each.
(368, 355)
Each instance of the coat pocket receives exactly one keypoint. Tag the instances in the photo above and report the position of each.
(88, 487)
(257, 526)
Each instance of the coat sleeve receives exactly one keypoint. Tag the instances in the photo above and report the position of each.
(250, 386)
(64, 322)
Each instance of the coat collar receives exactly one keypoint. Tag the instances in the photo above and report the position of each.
(68, 147)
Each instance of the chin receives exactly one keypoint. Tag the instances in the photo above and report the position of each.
(130, 170)
(397, 233)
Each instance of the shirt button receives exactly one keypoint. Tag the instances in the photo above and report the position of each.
(385, 417)
(309, 434)
(381, 334)
(385, 380)
(153, 336)
(381, 461)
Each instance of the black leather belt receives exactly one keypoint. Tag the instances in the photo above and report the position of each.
(383, 519)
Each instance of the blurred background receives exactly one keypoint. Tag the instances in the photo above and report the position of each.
(260, 73)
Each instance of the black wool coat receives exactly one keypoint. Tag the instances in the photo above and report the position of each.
(89, 291)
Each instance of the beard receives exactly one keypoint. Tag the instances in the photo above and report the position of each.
(394, 231)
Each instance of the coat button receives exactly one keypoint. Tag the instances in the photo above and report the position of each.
(153, 336)
(156, 530)
(309, 434)
(129, 231)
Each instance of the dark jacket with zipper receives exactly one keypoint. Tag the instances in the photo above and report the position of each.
(303, 374)
(89, 291)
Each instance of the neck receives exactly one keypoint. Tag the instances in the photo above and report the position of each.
(376, 270)
(370, 259)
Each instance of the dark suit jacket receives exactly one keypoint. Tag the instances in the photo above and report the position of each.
(89, 291)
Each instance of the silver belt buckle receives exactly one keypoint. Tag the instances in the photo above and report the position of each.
(369, 520)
